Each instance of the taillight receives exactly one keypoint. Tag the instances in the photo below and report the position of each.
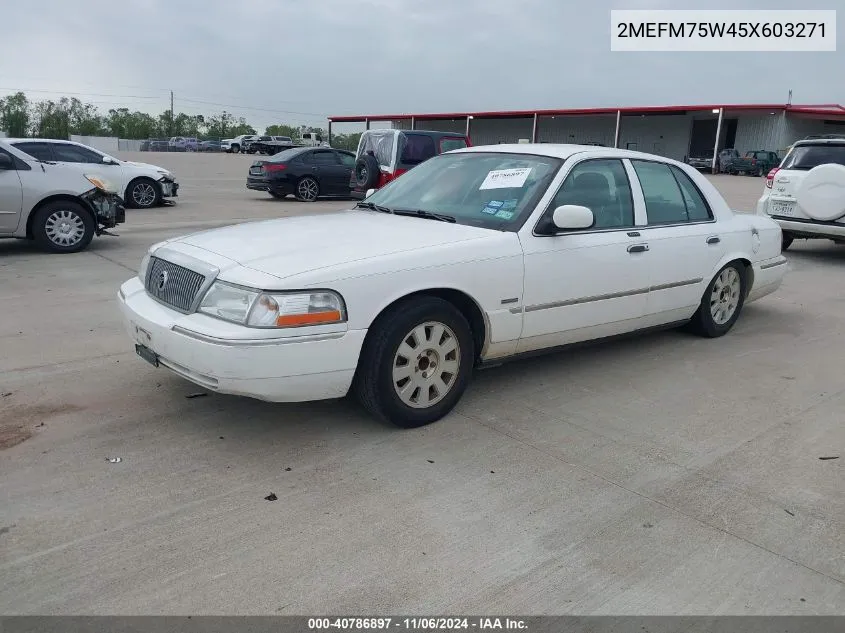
(269, 167)
(770, 177)
(384, 178)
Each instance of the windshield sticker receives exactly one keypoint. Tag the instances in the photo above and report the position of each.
(506, 178)
(510, 204)
(495, 203)
(490, 210)
(504, 215)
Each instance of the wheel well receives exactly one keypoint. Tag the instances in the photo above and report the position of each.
(749, 274)
(462, 301)
(56, 198)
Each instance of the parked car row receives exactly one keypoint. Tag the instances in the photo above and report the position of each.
(180, 144)
(730, 161)
(141, 185)
(309, 173)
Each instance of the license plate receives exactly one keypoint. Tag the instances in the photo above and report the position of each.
(782, 208)
(147, 354)
(256, 171)
(142, 335)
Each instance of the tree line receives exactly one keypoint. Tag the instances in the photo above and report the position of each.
(21, 117)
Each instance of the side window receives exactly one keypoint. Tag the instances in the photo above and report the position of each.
(697, 208)
(75, 154)
(41, 151)
(325, 158)
(670, 196)
(602, 186)
(348, 160)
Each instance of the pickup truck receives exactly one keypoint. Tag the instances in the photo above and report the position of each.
(235, 145)
(755, 163)
(271, 145)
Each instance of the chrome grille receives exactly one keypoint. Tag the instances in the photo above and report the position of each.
(173, 285)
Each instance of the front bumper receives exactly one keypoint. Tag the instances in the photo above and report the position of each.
(227, 358)
(169, 188)
(699, 163)
(108, 208)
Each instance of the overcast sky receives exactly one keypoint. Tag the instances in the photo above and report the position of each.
(298, 61)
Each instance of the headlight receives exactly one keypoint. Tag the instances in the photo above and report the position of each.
(254, 308)
(142, 271)
(101, 183)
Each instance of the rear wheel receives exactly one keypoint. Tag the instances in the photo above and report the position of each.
(236, 148)
(63, 227)
(307, 189)
(722, 302)
(416, 363)
(786, 241)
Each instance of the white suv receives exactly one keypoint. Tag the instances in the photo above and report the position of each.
(806, 193)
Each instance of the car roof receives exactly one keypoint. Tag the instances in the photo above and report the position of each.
(40, 140)
(819, 141)
(560, 150)
(436, 133)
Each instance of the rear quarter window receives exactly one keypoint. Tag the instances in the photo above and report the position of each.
(805, 157)
(448, 144)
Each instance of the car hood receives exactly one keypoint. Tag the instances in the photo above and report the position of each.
(132, 163)
(302, 244)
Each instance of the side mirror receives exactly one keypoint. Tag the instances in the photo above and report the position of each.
(108, 160)
(370, 192)
(572, 217)
(6, 162)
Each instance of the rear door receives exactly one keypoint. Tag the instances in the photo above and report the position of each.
(682, 236)
(11, 198)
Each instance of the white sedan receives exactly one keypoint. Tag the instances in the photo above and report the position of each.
(475, 256)
(141, 185)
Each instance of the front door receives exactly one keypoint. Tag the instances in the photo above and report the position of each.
(11, 199)
(684, 243)
(592, 283)
(332, 175)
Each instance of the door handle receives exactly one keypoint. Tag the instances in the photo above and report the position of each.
(638, 248)
(713, 239)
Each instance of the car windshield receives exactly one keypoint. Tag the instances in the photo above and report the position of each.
(495, 190)
(805, 157)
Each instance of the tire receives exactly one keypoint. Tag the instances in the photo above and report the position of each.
(143, 193)
(380, 376)
(722, 302)
(786, 241)
(277, 196)
(367, 171)
(63, 227)
(236, 148)
(307, 190)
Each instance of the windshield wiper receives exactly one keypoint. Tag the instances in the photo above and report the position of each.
(428, 215)
(373, 207)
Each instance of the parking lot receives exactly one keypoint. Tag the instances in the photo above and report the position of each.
(665, 474)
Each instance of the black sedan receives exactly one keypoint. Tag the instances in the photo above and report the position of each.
(305, 172)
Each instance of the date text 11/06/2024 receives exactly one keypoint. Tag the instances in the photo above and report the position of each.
(416, 624)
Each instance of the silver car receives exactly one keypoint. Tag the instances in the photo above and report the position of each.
(55, 205)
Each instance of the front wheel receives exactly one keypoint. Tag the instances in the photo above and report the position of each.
(307, 189)
(722, 302)
(143, 193)
(63, 227)
(236, 149)
(416, 363)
